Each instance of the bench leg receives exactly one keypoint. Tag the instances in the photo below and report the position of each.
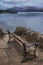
(35, 53)
(9, 38)
(25, 58)
(35, 50)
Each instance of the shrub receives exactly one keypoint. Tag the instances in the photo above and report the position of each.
(20, 30)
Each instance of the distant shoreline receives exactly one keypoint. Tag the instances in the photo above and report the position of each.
(7, 11)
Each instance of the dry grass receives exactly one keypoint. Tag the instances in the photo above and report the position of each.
(1, 33)
(10, 54)
(30, 35)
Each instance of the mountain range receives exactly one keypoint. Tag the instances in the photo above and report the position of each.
(23, 9)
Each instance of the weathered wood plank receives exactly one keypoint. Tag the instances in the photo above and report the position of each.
(20, 41)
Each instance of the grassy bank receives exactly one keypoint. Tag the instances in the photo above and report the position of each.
(30, 35)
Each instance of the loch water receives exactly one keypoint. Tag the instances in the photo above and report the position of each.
(32, 20)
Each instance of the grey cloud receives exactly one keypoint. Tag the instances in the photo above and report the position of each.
(9, 3)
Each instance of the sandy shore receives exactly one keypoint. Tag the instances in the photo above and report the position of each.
(10, 54)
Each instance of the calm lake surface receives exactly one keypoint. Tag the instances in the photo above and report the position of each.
(29, 20)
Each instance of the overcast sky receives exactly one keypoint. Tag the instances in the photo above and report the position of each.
(11, 3)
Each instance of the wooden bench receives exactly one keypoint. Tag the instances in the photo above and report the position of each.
(27, 48)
